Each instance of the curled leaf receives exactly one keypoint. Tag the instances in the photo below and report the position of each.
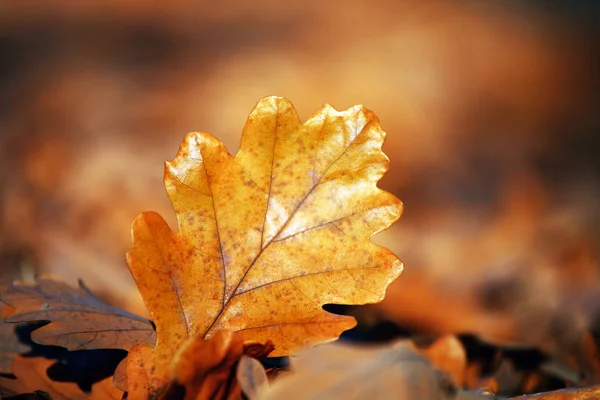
(251, 377)
(258, 350)
(204, 368)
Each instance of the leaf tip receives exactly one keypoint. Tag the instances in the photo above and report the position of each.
(273, 105)
(143, 225)
(273, 100)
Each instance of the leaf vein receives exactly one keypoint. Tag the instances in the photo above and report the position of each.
(296, 277)
(263, 245)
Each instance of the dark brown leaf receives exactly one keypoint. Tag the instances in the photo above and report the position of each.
(90, 323)
(258, 350)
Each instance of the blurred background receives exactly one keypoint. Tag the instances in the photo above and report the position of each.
(491, 110)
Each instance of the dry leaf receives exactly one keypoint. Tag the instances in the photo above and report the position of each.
(587, 354)
(346, 372)
(31, 376)
(508, 378)
(449, 356)
(78, 319)
(266, 237)
(10, 346)
(206, 368)
(258, 350)
(251, 377)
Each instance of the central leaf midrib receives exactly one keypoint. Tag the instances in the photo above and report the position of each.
(261, 251)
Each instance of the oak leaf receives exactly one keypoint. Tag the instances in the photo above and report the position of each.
(90, 323)
(31, 376)
(267, 237)
(10, 345)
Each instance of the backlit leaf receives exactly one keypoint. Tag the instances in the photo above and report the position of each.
(267, 237)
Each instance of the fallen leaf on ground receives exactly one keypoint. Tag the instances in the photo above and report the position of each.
(587, 354)
(251, 377)
(206, 368)
(448, 355)
(508, 378)
(10, 346)
(267, 237)
(31, 376)
(89, 323)
(348, 372)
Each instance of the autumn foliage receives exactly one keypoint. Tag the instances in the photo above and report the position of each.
(265, 239)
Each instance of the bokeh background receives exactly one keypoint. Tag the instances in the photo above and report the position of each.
(491, 109)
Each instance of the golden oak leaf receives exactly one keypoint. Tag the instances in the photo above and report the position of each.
(91, 324)
(31, 376)
(267, 237)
